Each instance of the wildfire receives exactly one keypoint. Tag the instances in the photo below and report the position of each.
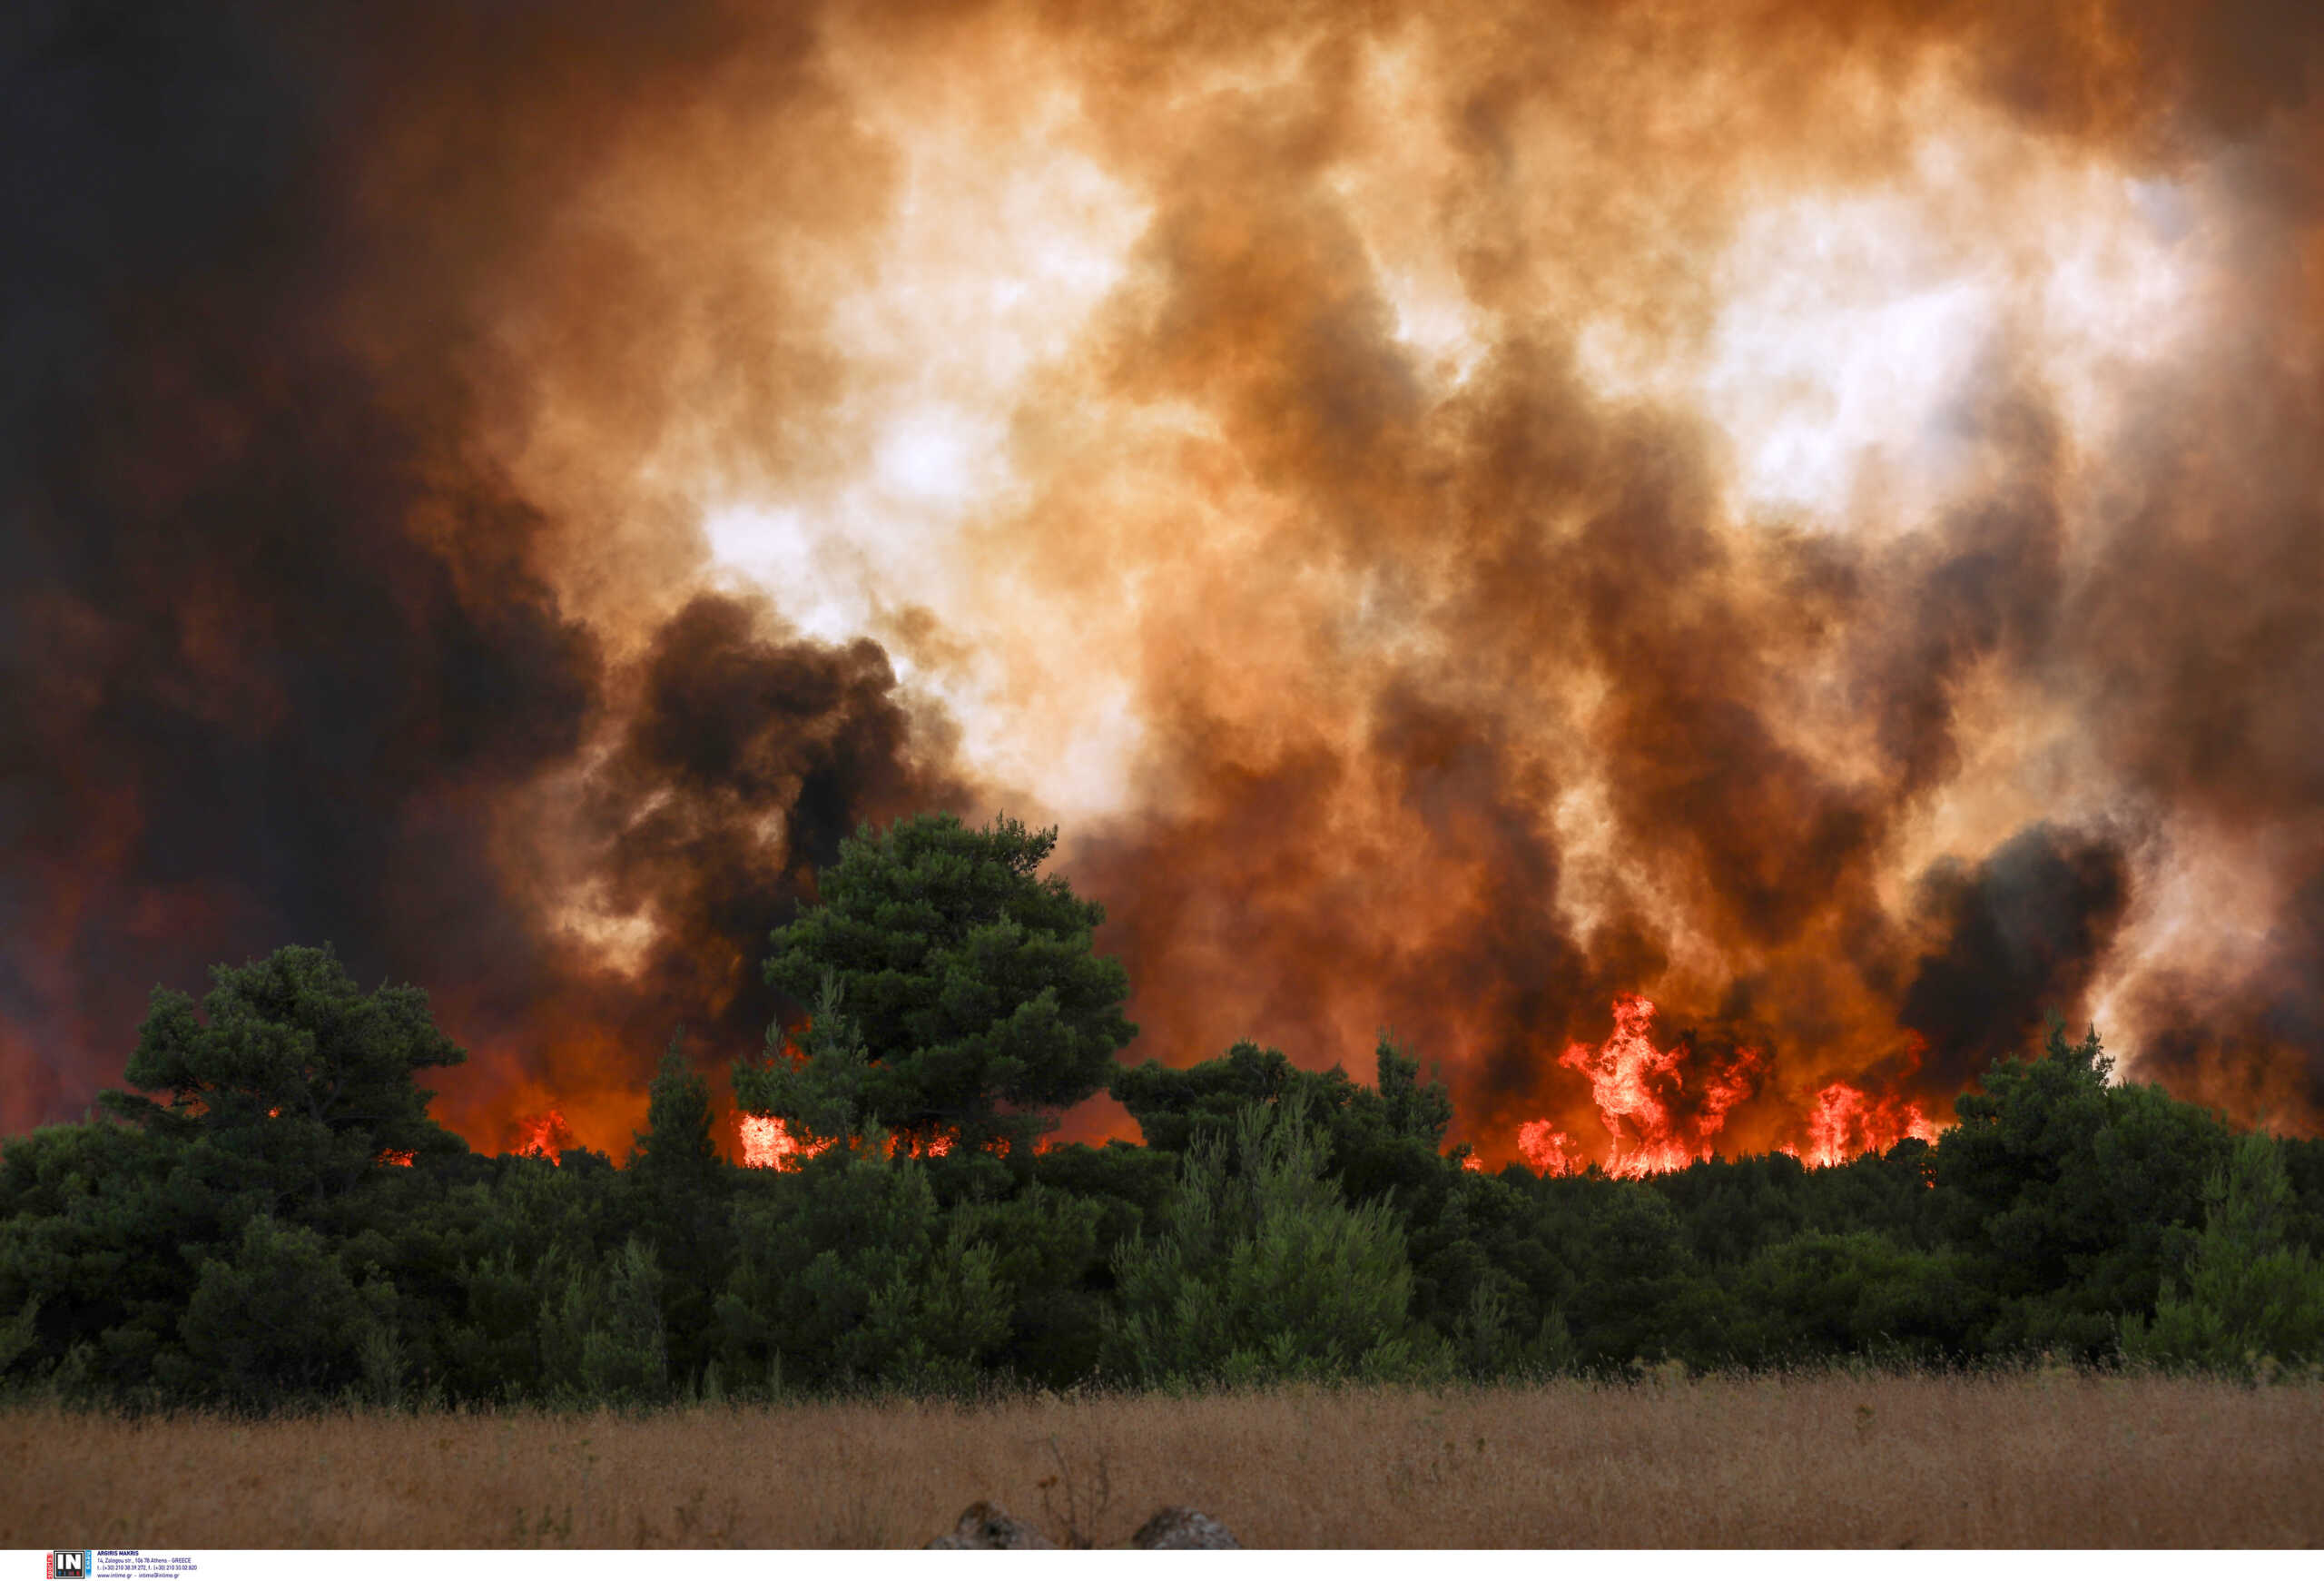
(768, 1144)
(1847, 1123)
(543, 1136)
(397, 1157)
(1634, 1085)
(933, 1146)
(1549, 1149)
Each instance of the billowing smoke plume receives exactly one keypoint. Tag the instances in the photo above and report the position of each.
(1811, 516)
(2022, 935)
(290, 653)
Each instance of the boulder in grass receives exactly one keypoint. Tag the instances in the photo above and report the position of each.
(987, 1525)
(1175, 1526)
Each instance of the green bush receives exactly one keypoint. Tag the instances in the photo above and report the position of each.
(280, 1319)
(602, 1337)
(2249, 1298)
(1262, 1271)
(848, 1272)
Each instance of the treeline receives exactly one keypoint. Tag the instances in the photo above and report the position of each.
(274, 1219)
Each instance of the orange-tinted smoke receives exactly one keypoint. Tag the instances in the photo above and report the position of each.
(1476, 699)
(298, 649)
(1331, 456)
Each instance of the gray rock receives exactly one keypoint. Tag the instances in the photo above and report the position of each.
(987, 1525)
(1175, 1526)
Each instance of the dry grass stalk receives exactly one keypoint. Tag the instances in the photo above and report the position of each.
(1825, 1460)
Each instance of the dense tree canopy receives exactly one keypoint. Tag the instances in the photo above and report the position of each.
(283, 1224)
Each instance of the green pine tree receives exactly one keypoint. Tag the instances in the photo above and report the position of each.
(971, 981)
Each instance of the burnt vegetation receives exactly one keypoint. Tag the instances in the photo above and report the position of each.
(276, 1222)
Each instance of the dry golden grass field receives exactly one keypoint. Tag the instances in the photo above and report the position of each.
(1828, 1460)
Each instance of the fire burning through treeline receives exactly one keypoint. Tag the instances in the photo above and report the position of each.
(1662, 1109)
(1848, 1122)
(542, 1136)
(1709, 565)
(765, 1142)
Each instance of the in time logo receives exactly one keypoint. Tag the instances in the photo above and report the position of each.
(68, 1564)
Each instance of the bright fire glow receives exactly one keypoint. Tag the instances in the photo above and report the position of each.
(1641, 1092)
(400, 1156)
(543, 1136)
(1636, 1086)
(1848, 1122)
(768, 1144)
(1549, 1149)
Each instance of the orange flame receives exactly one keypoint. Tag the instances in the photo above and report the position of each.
(398, 1157)
(768, 1144)
(1848, 1122)
(1632, 1083)
(1549, 1149)
(543, 1136)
